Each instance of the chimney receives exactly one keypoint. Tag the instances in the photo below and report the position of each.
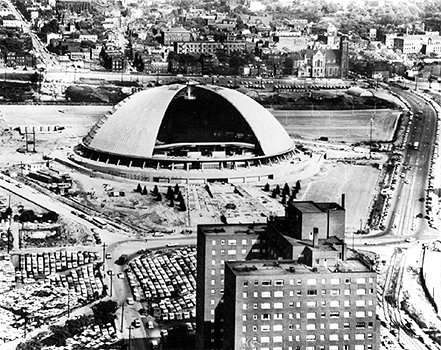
(343, 200)
(315, 232)
(344, 251)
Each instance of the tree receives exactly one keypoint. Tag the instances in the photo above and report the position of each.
(172, 202)
(155, 190)
(170, 194)
(274, 193)
(298, 185)
(182, 205)
(277, 189)
(104, 311)
(138, 188)
(176, 189)
(49, 216)
(159, 197)
(31, 344)
(144, 191)
(283, 199)
(267, 187)
(27, 216)
(286, 190)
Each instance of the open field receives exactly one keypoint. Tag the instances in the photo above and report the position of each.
(356, 182)
(339, 125)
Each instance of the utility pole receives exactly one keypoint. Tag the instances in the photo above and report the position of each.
(104, 251)
(68, 303)
(111, 278)
(130, 336)
(122, 317)
(370, 141)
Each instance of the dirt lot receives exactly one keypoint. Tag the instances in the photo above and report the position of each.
(339, 125)
(356, 182)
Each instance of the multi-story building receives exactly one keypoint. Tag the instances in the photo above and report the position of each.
(217, 244)
(174, 35)
(303, 255)
(287, 305)
(209, 47)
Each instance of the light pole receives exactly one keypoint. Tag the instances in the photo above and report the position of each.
(104, 251)
(370, 141)
(130, 336)
(110, 273)
(122, 317)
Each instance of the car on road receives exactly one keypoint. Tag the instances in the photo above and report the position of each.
(173, 244)
(150, 325)
(108, 256)
(406, 181)
(130, 301)
(136, 323)
(120, 275)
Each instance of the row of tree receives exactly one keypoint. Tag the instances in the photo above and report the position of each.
(285, 192)
(174, 195)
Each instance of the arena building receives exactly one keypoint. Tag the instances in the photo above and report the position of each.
(188, 133)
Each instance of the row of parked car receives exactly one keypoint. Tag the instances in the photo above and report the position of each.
(167, 281)
(85, 280)
(32, 265)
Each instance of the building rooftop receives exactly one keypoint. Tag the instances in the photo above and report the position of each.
(228, 230)
(314, 207)
(284, 267)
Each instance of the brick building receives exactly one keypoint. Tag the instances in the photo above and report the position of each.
(290, 252)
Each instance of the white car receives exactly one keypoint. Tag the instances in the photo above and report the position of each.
(173, 244)
(130, 301)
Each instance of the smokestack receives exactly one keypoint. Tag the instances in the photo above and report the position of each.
(344, 251)
(343, 200)
(315, 232)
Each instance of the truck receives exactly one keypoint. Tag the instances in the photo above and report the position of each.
(123, 259)
(416, 145)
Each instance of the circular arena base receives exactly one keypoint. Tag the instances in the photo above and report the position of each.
(303, 166)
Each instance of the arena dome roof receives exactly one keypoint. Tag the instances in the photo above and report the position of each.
(168, 115)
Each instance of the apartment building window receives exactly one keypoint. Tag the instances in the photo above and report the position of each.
(266, 317)
(323, 314)
(335, 291)
(213, 242)
(222, 252)
(333, 337)
(371, 291)
(213, 252)
(244, 329)
(213, 272)
(334, 314)
(298, 303)
(299, 282)
(360, 303)
(323, 280)
(359, 347)
(256, 283)
(347, 292)
(256, 294)
(299, 292)
(370, 302)
(335, 280)
(278, 305)
(244, 306)
(361, 291)
(255, 306)
(370, 313)
(245, 294)
(298, 315)
(277, 339)
(347, 303)
(266, 294)
(212, 291)
(212, 302)
(223, 242)
(347, 314)
(290, 326)
(291, 293)
(231, 242)
(278, 316)
(264, 339)
(310, 315)
(244, 242)
(359, 336)
(254, 317)
(360, 314)
(222, 271)
(311, 292)
(371, 280)
(360, 325)
(370, 336)
(245, 283)
(334, 303)
(333, 347)
(346, 325)
(310, 327)
(213, 262)
(333, 326)
(346, 337)
(361, 280)
(266, 283)
(265, 306)
(311, 282)
(231, 251)
(311, 304)
(265, 328)
(244, 251)
(279, 282)
(213, 282)
(310, 337)
(244, 317)
(323, 291)
(323, 303)
(278, 328)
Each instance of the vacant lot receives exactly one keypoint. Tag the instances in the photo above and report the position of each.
(340, 125)
(356, 182)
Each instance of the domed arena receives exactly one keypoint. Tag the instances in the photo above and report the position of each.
(187, 133)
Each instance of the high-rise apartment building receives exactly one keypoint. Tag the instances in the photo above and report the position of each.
(286, 305)
(269, 285)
